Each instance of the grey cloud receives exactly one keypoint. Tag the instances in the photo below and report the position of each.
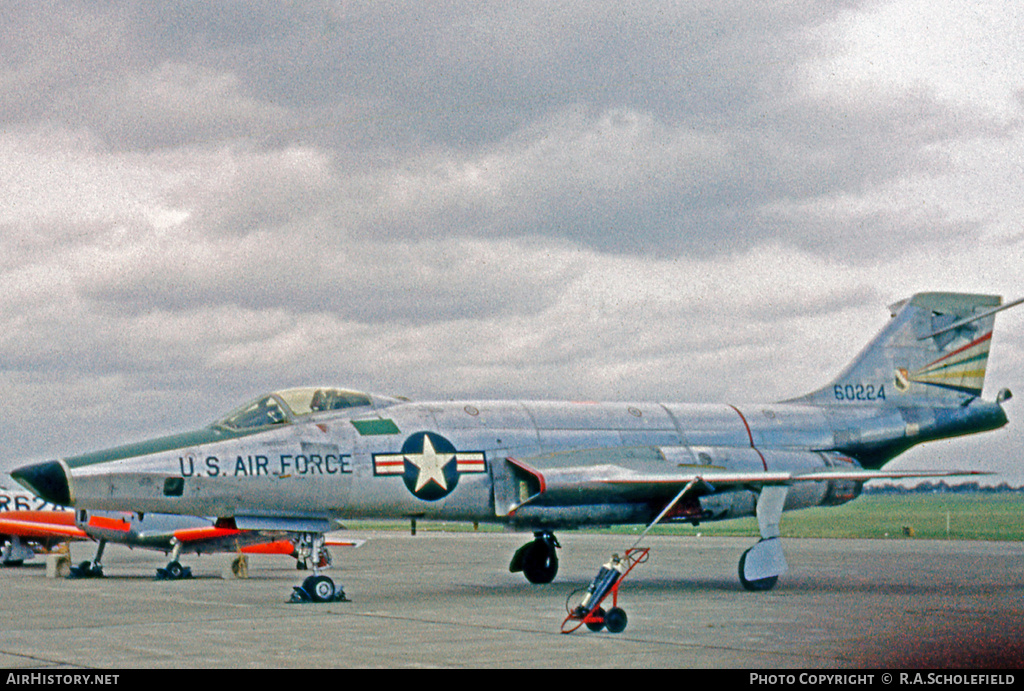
(646, 129)
(171, 105)
(623, 181)
(413, 282)
(449, 73)
(603, 200)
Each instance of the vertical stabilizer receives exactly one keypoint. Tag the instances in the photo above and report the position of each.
(933, 352)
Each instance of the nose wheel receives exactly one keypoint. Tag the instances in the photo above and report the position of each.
(318, 587)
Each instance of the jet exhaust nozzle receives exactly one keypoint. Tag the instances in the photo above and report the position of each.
(47, 480)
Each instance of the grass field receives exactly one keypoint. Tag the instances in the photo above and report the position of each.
(912, 516)
(904, 517)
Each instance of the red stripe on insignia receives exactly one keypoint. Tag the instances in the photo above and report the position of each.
(389, 465)
(470, 463)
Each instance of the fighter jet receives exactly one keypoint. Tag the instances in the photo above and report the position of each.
(304, 459)
(175, 534)
(30, 525)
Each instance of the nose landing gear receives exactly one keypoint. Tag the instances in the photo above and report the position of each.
(316, 588)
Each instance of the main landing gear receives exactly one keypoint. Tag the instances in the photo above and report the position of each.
(174, 570)
(316, 588)
(762, 564)
(15, 552)
(90, 569)
(537, 560)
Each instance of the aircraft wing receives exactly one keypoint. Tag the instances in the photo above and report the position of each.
(40, 525)
(214, 539)
(192, 533)
(220, 539)
(786, 478)
(643, 473)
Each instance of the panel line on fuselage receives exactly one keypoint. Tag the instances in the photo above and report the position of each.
(750, 435)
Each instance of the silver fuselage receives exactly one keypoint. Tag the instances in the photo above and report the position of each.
(487, 459)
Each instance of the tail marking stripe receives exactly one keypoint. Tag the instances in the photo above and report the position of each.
(984, 339)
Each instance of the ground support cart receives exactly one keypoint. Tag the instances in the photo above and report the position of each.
(593, 614)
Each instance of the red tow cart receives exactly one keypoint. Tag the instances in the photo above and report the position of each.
(607, 581)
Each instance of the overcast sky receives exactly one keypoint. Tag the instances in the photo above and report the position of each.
(700, 201)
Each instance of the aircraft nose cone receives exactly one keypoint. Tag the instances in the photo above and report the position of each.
(48, 480)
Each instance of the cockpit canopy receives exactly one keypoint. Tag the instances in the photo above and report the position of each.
(289, 404)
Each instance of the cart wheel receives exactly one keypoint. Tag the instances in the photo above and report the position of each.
(597, 625)
(615, 620)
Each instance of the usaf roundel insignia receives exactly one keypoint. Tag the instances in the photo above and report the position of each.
(429, 465)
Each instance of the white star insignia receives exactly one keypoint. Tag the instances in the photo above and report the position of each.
(431, 465)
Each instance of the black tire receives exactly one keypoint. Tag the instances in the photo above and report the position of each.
(759, 585)
(540, 563)
(83, 570)
(595, 625)
(615, 621)
(175, 570)
(320, 588)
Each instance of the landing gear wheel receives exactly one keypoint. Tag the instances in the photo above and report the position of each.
(315, 588)
(320, 588)
(86, 570)
(597, 625)
(757, 585)
(174, 571)
(615, 620)
(540, 563)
